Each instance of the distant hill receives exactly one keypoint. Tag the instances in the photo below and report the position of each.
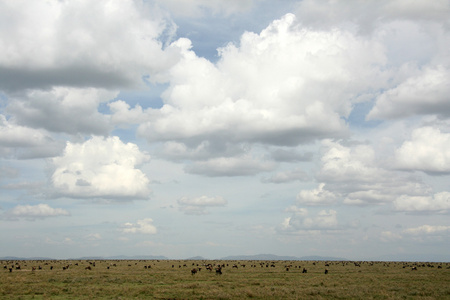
(196, 258)
(327, 258)
(413, 257)
(276, 257)
(272, 257)
(124, 257)
(24, 258)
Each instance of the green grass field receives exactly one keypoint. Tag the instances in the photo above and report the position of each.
(172, 279)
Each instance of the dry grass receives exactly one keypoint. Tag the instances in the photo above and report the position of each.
(257, 280)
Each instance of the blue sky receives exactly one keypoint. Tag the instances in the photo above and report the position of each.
(216, 128)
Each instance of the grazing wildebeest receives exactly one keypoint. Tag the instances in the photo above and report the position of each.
(219, 271)
(88, 268)
(326, 271)
(304, 270)
(414, 269)
(193, 271)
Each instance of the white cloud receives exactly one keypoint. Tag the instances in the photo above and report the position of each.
(437, 203)
(426, 93)
(144, 226)
(24, 142)
(369, 196)
(230, 166)
(196, 8)
(343, 164)
(290, 155)
(269, 89)
(319, 196)
(428, 151)
(101, 167)
(428, 230)
(287, 176)
(298, 222)
(80, 43)
(32, 212)
(370, 13)
(122, 114)
(63, 109)
(179, 151)
(356, 175)
(198, 206)
(297, 210)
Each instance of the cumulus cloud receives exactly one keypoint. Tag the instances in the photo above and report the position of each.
(179, 151)
(437, 203)
(369, 14)
(355, 175)
(144, 226)
(290, 155)
(25, 142)
(196, 8)
(319, 196)
(62, 109)
(428, 230)
(32, 212)
(268, 89)
(428, 151)
(56, 43)
(198, 206)
(301, 221)
(102, 168)
(426, 93)
(230, 166)
(297, 210)
(344, 164)
(287, 176)
(123, 114)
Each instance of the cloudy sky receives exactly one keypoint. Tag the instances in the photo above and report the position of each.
(214, 128)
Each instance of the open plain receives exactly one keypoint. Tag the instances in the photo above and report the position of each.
(208, 279)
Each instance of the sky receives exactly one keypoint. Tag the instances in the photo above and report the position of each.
(214, 128)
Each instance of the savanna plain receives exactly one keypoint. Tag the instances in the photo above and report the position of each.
(227, 279)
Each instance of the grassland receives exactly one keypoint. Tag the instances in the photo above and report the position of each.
(172, 279)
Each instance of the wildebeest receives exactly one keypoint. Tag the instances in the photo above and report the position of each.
(304, 270)
(193, 271)
(219, 271)
(326, 271)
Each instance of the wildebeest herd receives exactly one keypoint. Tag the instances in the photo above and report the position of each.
(226, 279)
(218, 267)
